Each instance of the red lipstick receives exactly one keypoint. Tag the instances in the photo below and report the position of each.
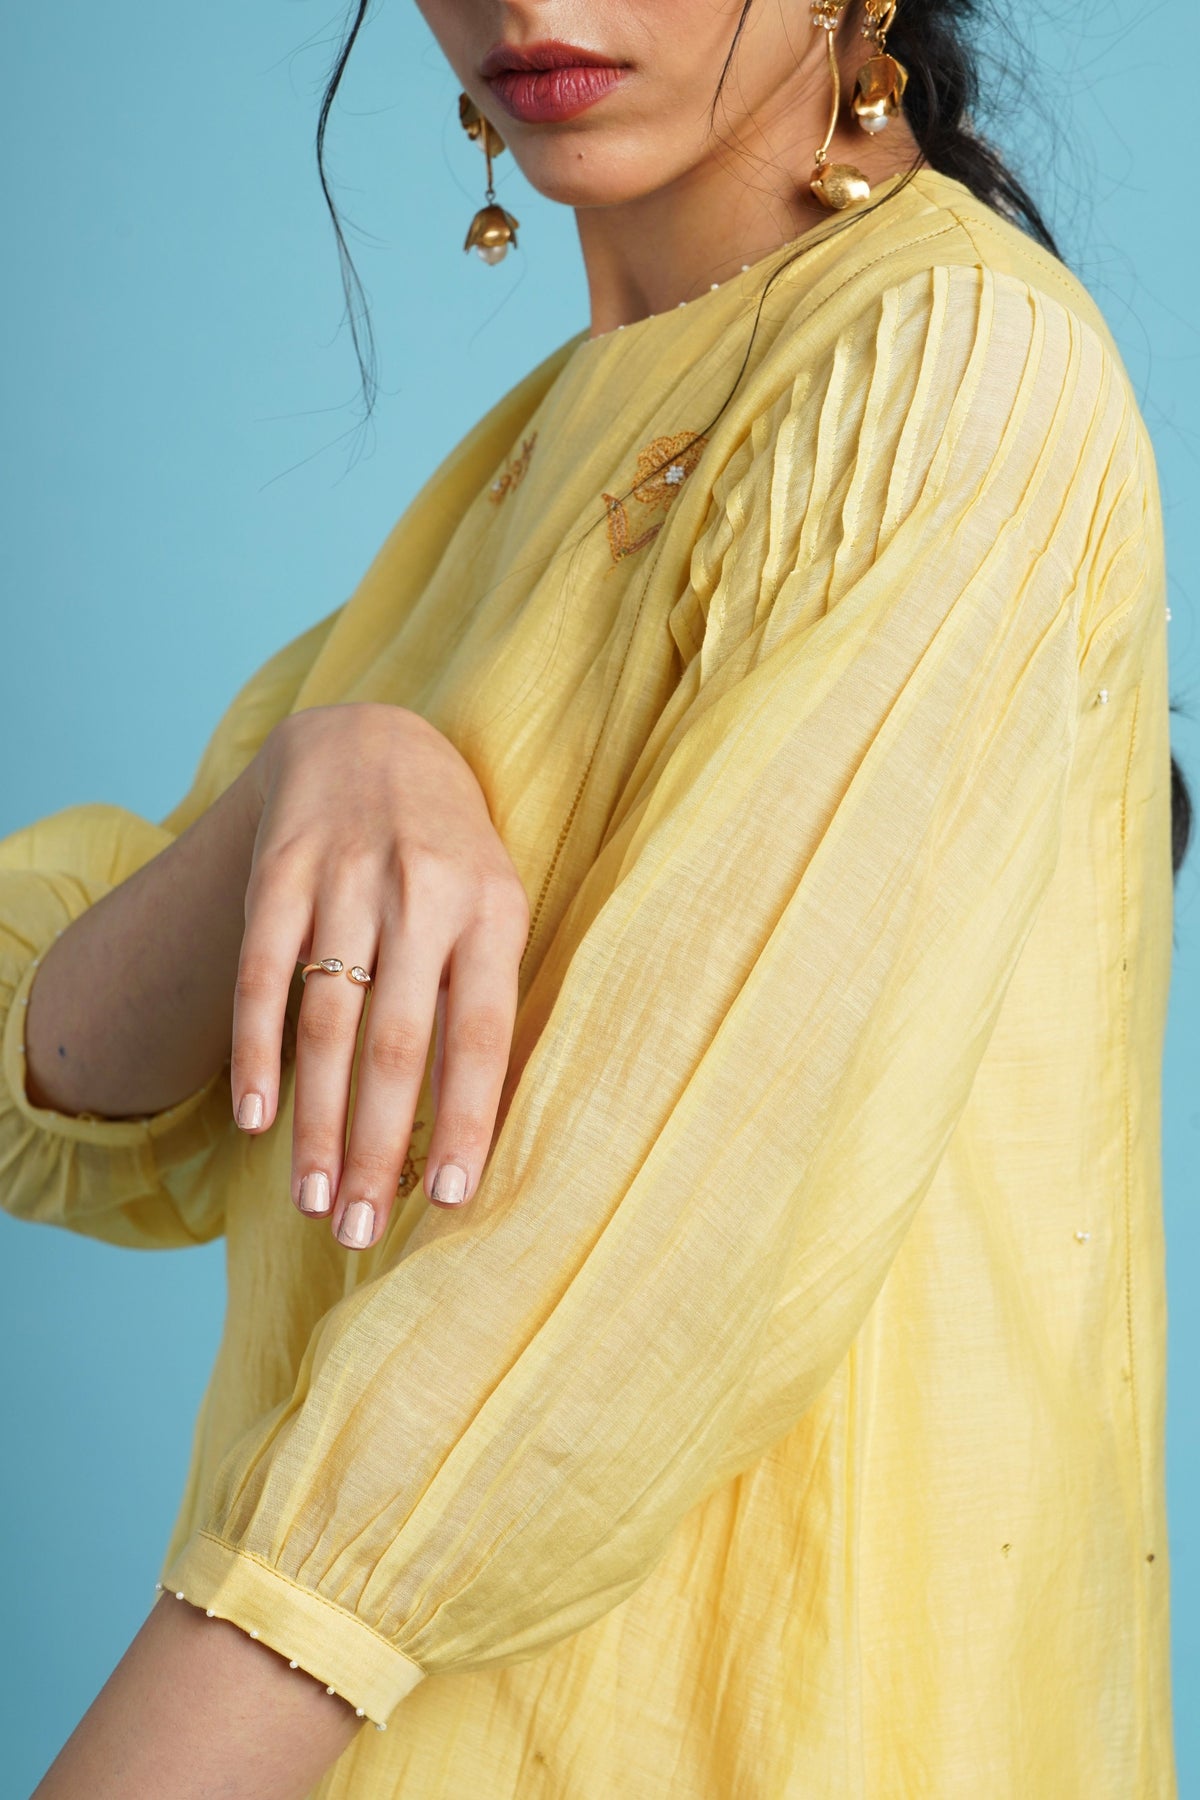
(549, 81)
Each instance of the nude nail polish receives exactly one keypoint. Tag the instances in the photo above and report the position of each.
(314, 1193)
(358, 1225)
(450, 1187)
(250, 1112)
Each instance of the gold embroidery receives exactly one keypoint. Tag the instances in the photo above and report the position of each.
(513, 472)
(409, 1174)
(662, 468)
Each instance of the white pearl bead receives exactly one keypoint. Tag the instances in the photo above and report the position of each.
(381, 1728)
(714, 287)
(209, 1612)
(745, 268)
(158, 1587)
(293, 1665)
(1102, 696)
(1081, 1237)
(1168, 613)
(254, 1634)
(360, 1712)
(330, 1690)
(179, 1596)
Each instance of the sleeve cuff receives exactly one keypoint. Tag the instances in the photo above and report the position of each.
(134, 1134)
(325, 1640)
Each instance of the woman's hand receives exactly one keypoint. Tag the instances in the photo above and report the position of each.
(375, 846)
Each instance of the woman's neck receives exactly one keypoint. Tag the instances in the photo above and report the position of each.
(648, 254)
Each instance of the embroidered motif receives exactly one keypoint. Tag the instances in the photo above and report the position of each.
(662, 468)
(410, 1173)
(513, 472)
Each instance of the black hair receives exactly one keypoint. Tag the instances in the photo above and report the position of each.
(361, 335)
(944, 90)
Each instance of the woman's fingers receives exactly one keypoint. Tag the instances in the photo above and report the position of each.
(480, 1008)
(275, 928)
(331, 1010)
(391, 1069)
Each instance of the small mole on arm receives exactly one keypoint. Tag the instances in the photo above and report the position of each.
(62, 1049)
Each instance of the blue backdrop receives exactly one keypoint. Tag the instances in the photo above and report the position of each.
(182, 491)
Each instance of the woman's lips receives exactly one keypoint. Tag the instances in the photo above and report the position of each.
(540, 96)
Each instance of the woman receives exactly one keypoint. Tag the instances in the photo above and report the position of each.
(751, 748)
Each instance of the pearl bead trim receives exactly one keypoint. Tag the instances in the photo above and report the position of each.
(210, 1613)
(745, 269)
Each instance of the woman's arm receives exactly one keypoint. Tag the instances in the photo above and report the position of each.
(197, 1708)
(190, 961)
(133, 1004)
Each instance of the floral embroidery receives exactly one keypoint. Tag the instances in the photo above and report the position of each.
(513, 472)
(662, 468)
(410, 1175)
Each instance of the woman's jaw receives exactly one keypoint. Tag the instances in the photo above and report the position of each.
(607, 107)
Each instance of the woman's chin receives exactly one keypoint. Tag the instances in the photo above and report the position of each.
(595, 186)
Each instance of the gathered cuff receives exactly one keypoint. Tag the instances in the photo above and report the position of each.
(329, 1643)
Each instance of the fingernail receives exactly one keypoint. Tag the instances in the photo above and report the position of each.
(250, 1112)
(450, 1186)
(314, 1192)
(358, 1225)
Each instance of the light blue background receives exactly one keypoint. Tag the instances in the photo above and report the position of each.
(181, 495)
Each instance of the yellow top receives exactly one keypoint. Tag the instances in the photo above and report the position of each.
(784, 1417)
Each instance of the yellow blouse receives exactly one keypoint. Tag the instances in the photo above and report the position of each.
(784, 1417)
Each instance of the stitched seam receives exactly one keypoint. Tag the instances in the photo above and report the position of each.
(927, 237)
(309, 1594)
(1053, 270)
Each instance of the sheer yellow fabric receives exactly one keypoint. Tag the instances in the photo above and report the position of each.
(784, 1417)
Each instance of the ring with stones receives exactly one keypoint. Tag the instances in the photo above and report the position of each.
(333, 965)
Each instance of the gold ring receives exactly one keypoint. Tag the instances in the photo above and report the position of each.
(333, 965)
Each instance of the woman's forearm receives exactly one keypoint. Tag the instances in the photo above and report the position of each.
(131, 1009)
(196, 1708)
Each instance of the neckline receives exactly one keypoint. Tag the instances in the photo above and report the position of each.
(747, 281)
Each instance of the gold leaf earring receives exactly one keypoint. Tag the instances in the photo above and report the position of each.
(879, 89)
(492, 229)
(836, 185)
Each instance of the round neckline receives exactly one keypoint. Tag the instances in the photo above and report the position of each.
(750, 273)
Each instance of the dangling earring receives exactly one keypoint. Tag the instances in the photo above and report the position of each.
(492, 229)
(836, 185)
(882, 80)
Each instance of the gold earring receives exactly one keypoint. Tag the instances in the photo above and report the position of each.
(836, 185)
(492, 229)
(882, 80)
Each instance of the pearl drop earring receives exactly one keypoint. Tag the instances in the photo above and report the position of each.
(879, 88)
(492, 229)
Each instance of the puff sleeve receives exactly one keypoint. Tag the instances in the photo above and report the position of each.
(760, 1020)
(143, 1183)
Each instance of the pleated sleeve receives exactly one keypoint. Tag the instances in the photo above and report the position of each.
(760, 1021)
(145, 1183)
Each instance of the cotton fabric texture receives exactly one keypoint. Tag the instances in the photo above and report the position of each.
(784, 1417)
